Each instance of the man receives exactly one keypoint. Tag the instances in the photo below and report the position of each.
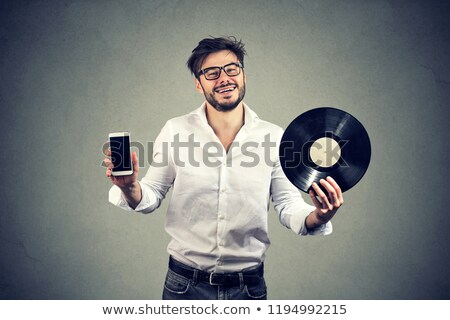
(222, 162)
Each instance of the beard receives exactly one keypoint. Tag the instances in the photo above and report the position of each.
(227, 105)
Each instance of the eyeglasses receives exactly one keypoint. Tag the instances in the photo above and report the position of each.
(232, 69)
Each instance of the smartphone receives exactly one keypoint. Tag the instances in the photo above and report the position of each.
(119, 144)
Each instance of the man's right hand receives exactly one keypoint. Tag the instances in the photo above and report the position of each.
(128, 184)
(121, 181)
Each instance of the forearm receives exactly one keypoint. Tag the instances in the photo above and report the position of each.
(133, 194)
(314, 220)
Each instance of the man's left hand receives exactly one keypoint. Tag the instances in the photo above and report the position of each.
(326, 204)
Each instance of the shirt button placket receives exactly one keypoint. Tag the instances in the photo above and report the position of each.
(222, 202)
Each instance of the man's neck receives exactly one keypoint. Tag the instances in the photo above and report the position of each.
(225, 125)
(225, 122)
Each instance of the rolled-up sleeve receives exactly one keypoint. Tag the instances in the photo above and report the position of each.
(292, 210)
(148, 203)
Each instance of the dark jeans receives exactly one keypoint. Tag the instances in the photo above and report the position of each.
(182, 286)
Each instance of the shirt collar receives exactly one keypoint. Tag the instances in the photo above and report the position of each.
(250, 117)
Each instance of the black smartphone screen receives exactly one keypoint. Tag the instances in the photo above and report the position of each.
(120, 153)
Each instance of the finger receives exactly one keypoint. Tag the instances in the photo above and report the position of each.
(316, 202)
(105, 148)
(323, 197)
(108, 163)
(108, 152)
(134, 159)
(331, 192)
(336, 187)
(109, 173)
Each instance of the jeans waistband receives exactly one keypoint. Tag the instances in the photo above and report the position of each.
(231, 279)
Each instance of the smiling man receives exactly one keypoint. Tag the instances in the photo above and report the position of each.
(217, 215)
(229, 93)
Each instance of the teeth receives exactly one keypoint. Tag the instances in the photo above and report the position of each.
(226, 90)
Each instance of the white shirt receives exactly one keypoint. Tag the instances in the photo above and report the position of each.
(217, 215)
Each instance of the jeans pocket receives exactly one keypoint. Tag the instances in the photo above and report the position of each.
(257, 291)
(175, 283)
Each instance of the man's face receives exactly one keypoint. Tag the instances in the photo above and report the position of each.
(225, 93)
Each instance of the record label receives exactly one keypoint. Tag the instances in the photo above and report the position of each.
(325, 142)
(325, 152)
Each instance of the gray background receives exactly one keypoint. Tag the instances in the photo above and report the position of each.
(72, 71)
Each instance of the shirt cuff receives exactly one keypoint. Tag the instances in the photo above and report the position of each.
(117, 198)
(322, 230)
(298, 225)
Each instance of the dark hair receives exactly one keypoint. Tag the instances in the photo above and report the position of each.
(211, 45)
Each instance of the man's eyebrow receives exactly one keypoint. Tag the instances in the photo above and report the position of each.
(219, 66)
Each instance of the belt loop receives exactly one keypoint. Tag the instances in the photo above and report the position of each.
(241, 281)
(195, 277)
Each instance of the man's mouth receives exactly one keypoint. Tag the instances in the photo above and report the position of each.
(225, 89)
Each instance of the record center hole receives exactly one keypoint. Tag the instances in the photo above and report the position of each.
(325, 152)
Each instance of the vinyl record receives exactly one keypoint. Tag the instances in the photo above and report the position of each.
(325, 142)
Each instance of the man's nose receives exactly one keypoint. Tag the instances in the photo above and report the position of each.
(223, 76)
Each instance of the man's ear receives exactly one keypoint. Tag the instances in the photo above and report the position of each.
(198, 86)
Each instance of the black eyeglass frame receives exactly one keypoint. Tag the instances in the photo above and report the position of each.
(237, 64)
